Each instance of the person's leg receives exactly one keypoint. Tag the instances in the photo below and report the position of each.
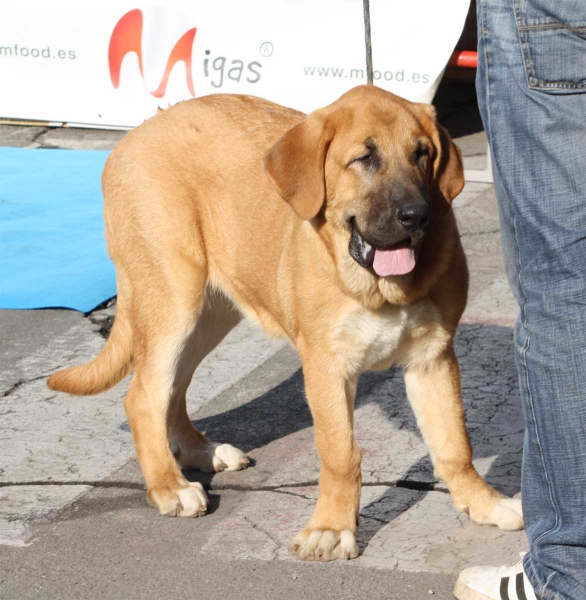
(531, 85)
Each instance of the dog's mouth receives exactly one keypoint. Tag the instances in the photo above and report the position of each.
(396, 259)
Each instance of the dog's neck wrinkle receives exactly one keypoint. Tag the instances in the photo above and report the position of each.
(350, 278)
(436, 253)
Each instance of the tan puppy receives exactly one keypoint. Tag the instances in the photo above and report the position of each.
(333, 230)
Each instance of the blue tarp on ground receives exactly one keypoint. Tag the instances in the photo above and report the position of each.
(52, 247)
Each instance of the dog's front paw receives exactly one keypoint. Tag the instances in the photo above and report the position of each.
(507, 514)
(314, 544)
(502, 512)
(189, 501)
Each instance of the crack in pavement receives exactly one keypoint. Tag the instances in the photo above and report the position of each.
(269, 536)
(477, 233)
(13, 388)
(22, 382)
(38, 135)
(420, 486)
(287, 493)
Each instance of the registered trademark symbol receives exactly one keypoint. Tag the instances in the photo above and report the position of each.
(266, 48)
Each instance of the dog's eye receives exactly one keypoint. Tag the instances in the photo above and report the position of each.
(370, 156)
(421, 155)
(368, 159)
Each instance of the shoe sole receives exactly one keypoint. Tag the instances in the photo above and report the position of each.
(463, 592)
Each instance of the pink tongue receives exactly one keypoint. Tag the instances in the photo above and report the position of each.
(393, 262)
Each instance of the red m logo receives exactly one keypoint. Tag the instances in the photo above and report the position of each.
(127, 37)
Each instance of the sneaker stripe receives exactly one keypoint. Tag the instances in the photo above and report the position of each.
(520, 585)
(505, 588)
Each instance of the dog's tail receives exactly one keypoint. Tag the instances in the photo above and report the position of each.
(111, 365)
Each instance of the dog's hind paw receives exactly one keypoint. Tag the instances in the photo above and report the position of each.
(228, 458)
(212, 458)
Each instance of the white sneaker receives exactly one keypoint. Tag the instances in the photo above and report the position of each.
(494, 583)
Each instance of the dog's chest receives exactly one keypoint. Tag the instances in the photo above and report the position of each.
(368, 339)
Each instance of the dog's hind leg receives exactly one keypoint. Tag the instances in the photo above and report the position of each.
(164, 317)
(191, 448)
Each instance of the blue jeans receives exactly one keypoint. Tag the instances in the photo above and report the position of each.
(531, 85)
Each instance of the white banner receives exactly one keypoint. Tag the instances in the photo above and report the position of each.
(111, 64)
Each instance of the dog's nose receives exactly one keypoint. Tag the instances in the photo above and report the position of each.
(414, 216)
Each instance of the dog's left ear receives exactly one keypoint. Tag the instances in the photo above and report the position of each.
(296, 165)
(448, 173)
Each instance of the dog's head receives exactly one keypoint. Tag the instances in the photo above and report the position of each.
(377, 168)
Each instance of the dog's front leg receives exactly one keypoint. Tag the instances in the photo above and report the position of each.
(331, 531)
(433, 388)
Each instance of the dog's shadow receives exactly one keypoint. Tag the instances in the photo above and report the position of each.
(493, 415)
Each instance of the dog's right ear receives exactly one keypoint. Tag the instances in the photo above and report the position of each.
(296, 165)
